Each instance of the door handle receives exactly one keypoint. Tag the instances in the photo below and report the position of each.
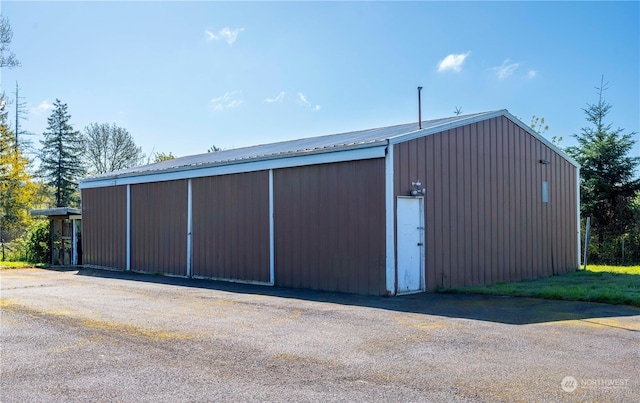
(420, 244)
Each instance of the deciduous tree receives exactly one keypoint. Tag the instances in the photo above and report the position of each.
(16, 186)
(109, 148)
(7, 57)
(159, 157)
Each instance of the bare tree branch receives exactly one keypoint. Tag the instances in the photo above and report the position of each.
(7, 57)
(109, 148)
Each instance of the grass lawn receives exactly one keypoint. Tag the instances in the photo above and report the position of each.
(15, 265)
(609, 284)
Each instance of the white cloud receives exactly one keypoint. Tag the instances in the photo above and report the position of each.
(234, 103)
(278, 98)
(228, 100)
(452, 62)
(506, 69)
(302, 100)
(226, 34)
(532, 74)
(43, 107)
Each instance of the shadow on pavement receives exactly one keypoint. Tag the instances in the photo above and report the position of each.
(508, 310)
(60, 268)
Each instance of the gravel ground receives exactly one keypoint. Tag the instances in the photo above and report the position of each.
(108, 336)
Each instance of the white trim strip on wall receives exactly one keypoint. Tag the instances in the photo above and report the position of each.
(195, 172)
(423, 241)
(389, 223)
(272, 248)
(128, 263)
(578, 213)
(189, 228)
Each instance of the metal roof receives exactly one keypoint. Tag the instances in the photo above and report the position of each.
(362, 144)
(304, 146)
(56, 211)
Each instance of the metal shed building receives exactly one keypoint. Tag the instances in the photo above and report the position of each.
(465, 200)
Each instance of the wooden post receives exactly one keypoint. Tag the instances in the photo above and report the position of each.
(74, 243)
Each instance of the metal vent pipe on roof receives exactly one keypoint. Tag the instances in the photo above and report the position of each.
(419, 109)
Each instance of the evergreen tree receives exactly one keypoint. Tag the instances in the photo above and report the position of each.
(21, 113)
(61, 156)
(607, 175)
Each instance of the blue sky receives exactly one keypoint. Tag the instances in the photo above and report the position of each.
(182, 77)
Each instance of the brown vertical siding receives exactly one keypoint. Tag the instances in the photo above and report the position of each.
(484, 217)
(330, 227)
(231, 226)
(159, 227)
(104, 227)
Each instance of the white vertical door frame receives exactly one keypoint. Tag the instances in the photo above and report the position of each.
(128, 262)
(423, 270)
(74, 242)
(578, 214)
(272, 248)
(390, 239)
(189, 228)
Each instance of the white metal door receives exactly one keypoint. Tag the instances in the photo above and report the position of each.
(410, 238)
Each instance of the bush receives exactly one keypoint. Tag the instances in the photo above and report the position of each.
(609, 251)
(38, 248)
(13, 251)
(33, 245)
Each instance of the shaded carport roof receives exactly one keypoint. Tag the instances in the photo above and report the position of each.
(56, 212)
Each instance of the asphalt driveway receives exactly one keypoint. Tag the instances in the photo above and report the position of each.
(108, 336)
